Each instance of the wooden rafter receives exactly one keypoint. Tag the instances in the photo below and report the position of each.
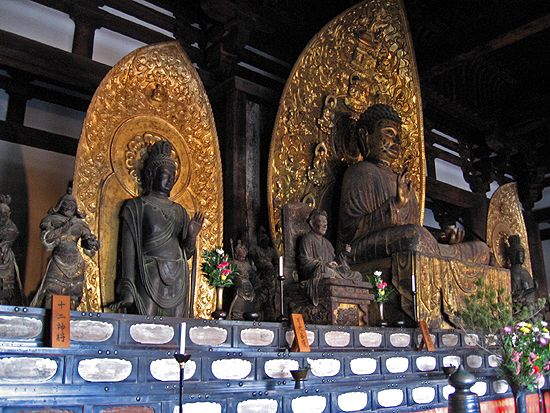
(506, 39)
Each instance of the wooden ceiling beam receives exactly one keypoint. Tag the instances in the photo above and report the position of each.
(441, 191)
(23, 135)
(506, 39)
(50, 63)
(45, 94)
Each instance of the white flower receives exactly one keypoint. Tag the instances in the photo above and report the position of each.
(219, 251)
(378, 273)
(544, 323)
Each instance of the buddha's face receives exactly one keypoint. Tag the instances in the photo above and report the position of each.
(163, 181)
(385, 143)
(520, 256)
(319, 224)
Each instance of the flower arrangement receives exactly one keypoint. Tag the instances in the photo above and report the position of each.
(218, 268)
(381, 290)
(525, 354)
(522, 339)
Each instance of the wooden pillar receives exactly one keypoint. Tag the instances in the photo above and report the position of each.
(17, 105)
(536, 252)
(244, 124)
(83, 39)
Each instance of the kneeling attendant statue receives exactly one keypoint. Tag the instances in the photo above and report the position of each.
(157, 237)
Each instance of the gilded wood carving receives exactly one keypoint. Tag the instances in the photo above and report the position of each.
(362, 57)
(504, 219)
(151, 94)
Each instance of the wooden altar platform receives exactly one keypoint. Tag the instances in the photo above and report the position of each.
(125, 363)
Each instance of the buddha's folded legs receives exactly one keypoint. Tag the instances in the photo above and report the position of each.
(414, 238)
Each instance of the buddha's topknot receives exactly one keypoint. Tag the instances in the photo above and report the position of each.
(377, 112)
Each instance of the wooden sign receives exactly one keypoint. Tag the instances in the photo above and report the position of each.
(61, 321)
(426, 337)
(300, 342)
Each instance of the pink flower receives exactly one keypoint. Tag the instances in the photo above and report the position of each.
(226, 271)
(507, 329)
(515, 356)
(533, 356)
(223, 264)
(382, 285)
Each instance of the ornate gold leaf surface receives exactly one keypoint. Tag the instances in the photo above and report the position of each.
(504, 219)
(362, 57)
(444, 285)
(153, 93)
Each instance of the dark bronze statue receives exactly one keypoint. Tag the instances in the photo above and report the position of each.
(316, 257)
(265, 260)
(11, 291)
(60, 233)
(157, 237)
(242, 304)
(523, 287)
(379, 212)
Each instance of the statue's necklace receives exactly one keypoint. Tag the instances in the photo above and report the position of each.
(167, 211)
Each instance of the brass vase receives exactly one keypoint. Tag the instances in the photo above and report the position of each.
(219, 314)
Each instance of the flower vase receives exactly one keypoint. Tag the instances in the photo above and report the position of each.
(519, 398)
(383, 322)
(219, 314)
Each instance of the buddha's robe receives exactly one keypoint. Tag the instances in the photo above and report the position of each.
(315, 253)
(154, 256)
(375, 227)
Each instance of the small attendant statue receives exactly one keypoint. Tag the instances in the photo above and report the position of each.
(11, 291)
(61, 230)
(523, 287)
(265, 260)
(317, 259)
(157, 237)
(243, 301)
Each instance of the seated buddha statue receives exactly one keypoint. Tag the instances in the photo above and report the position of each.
(379, 211)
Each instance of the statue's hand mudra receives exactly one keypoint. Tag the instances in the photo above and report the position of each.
(454, 235)
(195, 225)
(404, 187)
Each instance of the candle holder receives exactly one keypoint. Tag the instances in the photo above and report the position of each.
(282, 317)
(182, 359)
